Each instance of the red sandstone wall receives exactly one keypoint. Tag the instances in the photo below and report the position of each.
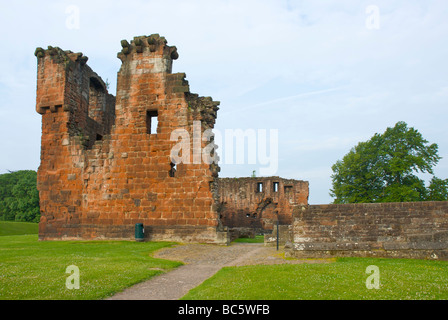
(60, 103)
(242, 205)
(407, 230)
(101, 171)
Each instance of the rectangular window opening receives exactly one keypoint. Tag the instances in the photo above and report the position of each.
(275, 186)
(260, 187)
(152, 121)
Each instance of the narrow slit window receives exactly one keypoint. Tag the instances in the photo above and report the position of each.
(275, 186)
(260, 187)
(173, 169)
(152, 122)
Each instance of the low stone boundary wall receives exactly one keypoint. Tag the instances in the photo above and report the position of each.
(401, 230)
(284, 233)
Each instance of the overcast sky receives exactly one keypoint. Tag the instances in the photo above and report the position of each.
(325, 74)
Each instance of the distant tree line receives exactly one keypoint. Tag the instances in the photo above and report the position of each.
(19, 198)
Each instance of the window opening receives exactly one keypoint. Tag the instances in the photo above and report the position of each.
(152, 122)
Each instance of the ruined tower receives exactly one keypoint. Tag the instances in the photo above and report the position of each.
(106, 161)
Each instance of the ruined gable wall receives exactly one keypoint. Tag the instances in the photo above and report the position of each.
(243, 204)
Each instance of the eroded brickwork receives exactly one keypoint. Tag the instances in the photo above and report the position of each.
(397, 230)
(105, 161)
(259, 202)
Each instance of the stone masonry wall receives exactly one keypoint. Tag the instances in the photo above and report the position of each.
(259, 202)
(405, 230)
(106, 164)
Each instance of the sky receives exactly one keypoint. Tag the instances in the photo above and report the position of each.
(316, 77)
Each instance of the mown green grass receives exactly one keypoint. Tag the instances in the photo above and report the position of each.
(9, 228)
(32, 269)
(257, 239)
(345, 279)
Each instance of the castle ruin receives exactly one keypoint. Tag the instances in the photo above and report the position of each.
(106, 160)
(107, 165)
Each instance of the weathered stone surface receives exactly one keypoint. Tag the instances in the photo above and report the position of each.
(405, 230)
(242, 204)
(87, 192)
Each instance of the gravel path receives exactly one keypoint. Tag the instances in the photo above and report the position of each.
(201, 262)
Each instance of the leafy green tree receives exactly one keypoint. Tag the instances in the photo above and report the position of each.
(438, 190)
(384, 168)
(19, 198)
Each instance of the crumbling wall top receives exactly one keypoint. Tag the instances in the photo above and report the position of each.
(152, 44)
(61, 56)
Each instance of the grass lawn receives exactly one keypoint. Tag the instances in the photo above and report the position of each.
(343, 279)
(257, 239)
(32, 269)
(9, 228)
